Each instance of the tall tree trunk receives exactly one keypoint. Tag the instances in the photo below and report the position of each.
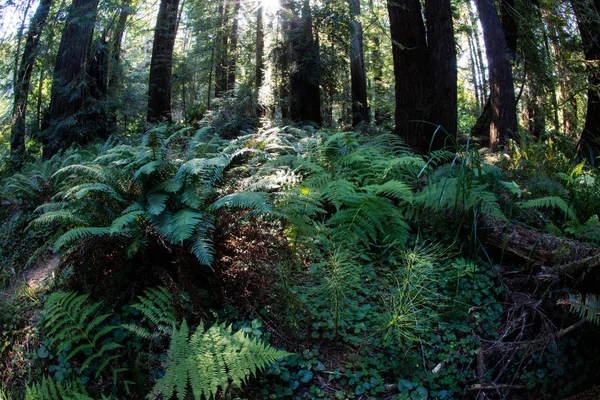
(360, 108)
(221, 49)
(115, 69)
(305, 96)
(69, 83)
(159, 89)
(19, 42)
(409, 50)
(232, 51)
(17, 134)
(502, 93)
(260, 51)
(588, 19)
(425, 73)
(509, 26)
(479, 50)
(443, 74)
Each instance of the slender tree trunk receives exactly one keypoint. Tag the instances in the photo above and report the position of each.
(115, 70)
(260, 50)
(222, 44)
(159, 89)
(232, 52)
(474, 73)
(443, 74)
(69, 87)
(38, 114)
(479, 48)
(22, 83)
(19, 42)
(502, 93)
(360, 108)
(210, 73)
(588, 19)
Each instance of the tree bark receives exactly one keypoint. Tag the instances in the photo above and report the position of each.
(425, 71)
(443, 75)
(115, 70)
(22, 83)
(409, 50)
(221, 49)
(260, 48)
(588, 19)
(502, 93)
(232, 51)
(305, 96)
(159, 89)
(360, 108)
(69, 85)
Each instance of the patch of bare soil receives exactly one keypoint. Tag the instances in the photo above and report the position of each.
(36, 277)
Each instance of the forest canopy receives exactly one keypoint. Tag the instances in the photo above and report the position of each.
(299, 199)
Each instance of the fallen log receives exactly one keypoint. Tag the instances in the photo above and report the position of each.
(555, 256)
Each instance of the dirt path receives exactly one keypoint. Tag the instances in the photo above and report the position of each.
(35, 277)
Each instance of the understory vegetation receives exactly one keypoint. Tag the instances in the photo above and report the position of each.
(293, 262)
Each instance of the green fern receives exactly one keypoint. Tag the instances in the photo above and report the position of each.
(587, 307)
(157, 306)
(48, 389)
(73, 327)
(551, 202)
(77, 234)
(211, 360)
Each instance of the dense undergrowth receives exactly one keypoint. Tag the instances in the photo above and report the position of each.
(188, 258)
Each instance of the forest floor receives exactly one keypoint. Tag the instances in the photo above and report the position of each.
(34, 278)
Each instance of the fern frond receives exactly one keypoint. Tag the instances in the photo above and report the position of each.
(183, 224)
(57, 217)
(550, 202)
(157, 202)
(73, 327)
(258, 201)
(125, 220)
(157, 306)
(84, 170)
(587, 307)
(209, 360)
(49, 389)
(77, 234)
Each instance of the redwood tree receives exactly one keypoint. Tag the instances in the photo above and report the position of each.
(588, 19)
(360, 109)
(69, 85)
(305, 95)
(424, 72)
(502, 93)
(159, 88)
(17, 134)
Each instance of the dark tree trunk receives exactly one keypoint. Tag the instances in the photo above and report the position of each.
(360, 108)
(305, 96)
(115, 70)
(409, 49)
(159, 89)
(443, 74)
(424, 72)
(17, 134)
(221, 49)
(19, 42)
(260, 50)
(232, 51)
(588, 19)
(502, 94)
(69, 83)
(98, 88)
(509, 26)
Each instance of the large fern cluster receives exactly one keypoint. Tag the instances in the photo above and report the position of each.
(159, 191)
